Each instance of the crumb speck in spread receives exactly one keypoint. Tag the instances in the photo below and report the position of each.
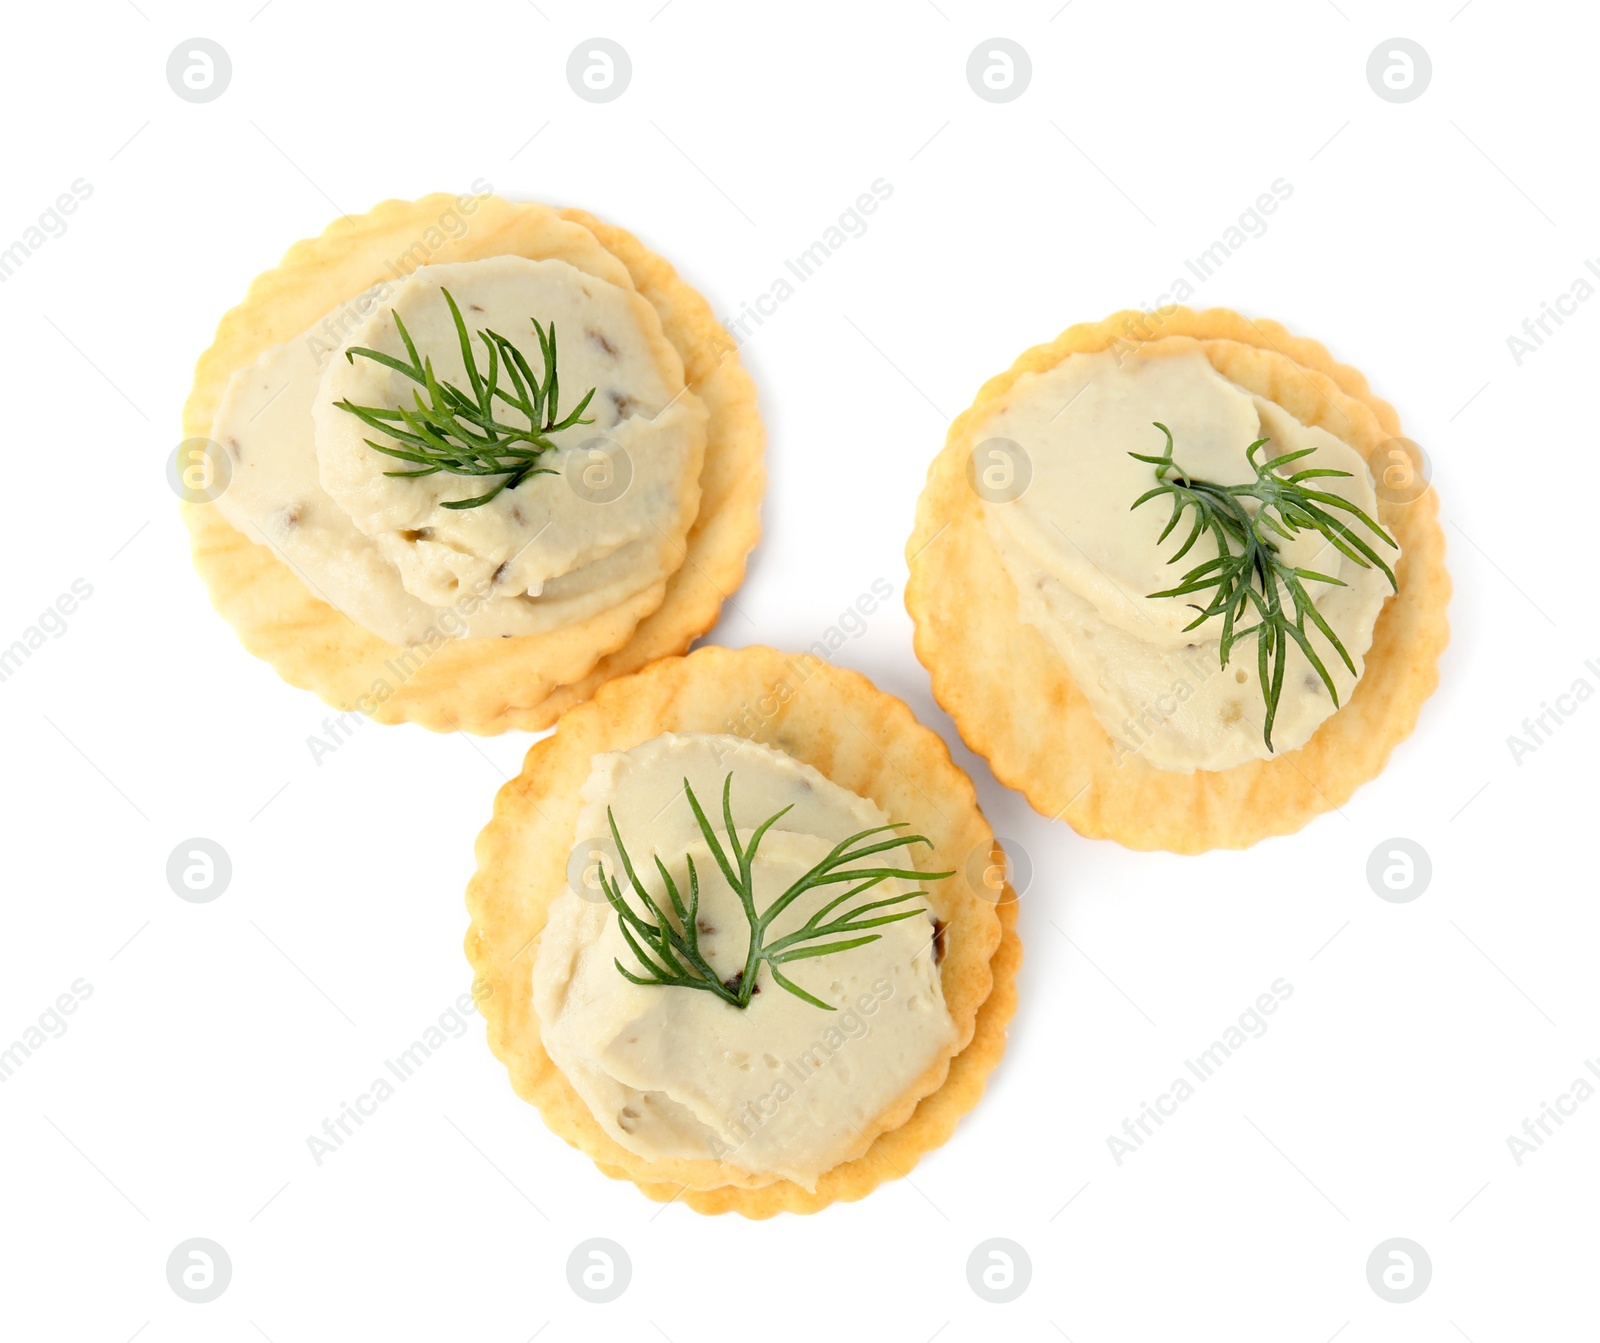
(599, 338)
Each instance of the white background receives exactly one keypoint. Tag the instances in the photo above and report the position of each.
(219, 1036)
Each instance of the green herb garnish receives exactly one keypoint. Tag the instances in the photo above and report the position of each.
(458, 431)
(668, 945)
(1247, 575)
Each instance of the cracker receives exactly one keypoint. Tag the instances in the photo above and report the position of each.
(862, 739)
(481, 685)
(1010, 693)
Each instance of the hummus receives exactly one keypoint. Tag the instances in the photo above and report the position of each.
(609, 523)
(1084, 562)
(781, 1088)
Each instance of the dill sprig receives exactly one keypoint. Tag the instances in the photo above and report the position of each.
(1247, 576)
(667, 945)
(459, 431)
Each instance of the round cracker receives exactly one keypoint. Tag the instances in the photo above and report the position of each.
(1010, 693)
(862, 739)
(481, 685)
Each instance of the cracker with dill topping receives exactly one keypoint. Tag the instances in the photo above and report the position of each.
(481, 685)
(860, 738)
(1010, 693)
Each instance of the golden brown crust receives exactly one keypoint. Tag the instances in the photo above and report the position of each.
(859, 737)
(481, 685)
(1010, 693)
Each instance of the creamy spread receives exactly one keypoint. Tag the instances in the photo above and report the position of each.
(780, 1088)
(1084, 563)
(607, 524)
